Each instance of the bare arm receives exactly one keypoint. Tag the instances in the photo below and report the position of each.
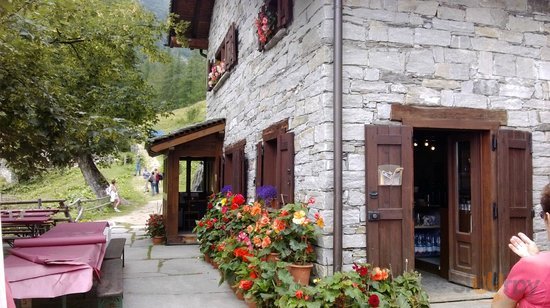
(501, 300)
(523, 246)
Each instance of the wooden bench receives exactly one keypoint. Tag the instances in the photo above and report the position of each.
(115, 249)
(110, 287)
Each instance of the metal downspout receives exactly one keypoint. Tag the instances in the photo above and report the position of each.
(337, 88)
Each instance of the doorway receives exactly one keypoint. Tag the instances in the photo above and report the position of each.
(195, 185)
(447, 203)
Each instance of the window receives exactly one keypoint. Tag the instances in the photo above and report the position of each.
(234, 165)
(279, 16)
(224, 60)
(275, 161)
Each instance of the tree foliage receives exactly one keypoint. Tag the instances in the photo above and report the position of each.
(70, 83)
(180, 83)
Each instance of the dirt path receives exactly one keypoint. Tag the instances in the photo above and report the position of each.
(139, 216)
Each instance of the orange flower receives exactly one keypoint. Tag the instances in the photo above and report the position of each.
(264, 220)
(246, 208)
(379, 274)
(256, 209)
(249, 229)
(257, 241)
(283, 213)
(266, 242)
(253, 275)
(279, 225)
(309, 248)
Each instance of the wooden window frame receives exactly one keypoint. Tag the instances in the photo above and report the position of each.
(283, 11)
(275, 162)
(227, 53)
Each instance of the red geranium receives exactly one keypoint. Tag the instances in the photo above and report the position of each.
(299, 294)
(239, 199)
(245, 285)
(374, 301)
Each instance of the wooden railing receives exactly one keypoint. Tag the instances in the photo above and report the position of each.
(82, 205)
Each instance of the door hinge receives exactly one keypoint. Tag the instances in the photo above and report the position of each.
(493, 142)
(495, 210)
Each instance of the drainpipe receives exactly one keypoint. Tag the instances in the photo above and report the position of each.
(337, 90)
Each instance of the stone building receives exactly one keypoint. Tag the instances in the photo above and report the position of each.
(454, 92)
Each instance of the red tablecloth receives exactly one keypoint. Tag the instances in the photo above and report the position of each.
(61, 261)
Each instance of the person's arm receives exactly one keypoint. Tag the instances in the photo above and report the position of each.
(523, 246)
(501, 300)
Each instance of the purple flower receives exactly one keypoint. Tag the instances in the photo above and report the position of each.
(266, 193)
(226, 189)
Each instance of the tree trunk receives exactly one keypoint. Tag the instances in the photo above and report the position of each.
(93, 177)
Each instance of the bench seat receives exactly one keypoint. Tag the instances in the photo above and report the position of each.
(110, 288)
(115, 249)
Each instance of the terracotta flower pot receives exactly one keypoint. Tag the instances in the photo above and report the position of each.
(250, 302)
(239, 294)
(272, 257)
(157, 240)
(207, 258)
(300, 273)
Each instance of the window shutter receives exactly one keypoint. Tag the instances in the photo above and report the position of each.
(238, 171)
(284, 13)
(222, 172)
(285, 168)
(230, 43)
(259, 164)
(228, 171)
(514, 191)
(390, 233)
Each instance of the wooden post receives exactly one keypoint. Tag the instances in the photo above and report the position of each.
(39, 203)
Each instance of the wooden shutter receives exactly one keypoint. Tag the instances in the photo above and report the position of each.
(514, 191)
(259, 164)
(238, 171)
(230, 42)
(390, 234)
(284, 13)
(285, 168)
(228, 170)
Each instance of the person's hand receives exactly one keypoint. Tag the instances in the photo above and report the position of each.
(523, 246)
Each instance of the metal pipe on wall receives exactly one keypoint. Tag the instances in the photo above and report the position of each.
(337, 113)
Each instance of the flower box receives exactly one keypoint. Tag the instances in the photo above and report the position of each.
(221, 81)
(275, 39)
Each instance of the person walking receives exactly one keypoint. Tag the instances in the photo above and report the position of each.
(153, 181)
(112, 190)
(528, 283)
(146, 174)
(138, 166)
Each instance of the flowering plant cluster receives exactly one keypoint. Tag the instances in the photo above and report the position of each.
(266, 193)
(216, 72)
(265, 24)
(239, 237)
(155, 225)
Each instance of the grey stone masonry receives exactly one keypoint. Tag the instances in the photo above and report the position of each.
(442, 53)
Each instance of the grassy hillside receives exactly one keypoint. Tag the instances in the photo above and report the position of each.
(69, 184)
(182, 117)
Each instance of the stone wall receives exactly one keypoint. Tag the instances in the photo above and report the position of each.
(292, 80)
(491, 54)
(452, 53)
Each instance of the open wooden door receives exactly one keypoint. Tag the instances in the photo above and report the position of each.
(514, 192)
(390, 234)
(465, 204)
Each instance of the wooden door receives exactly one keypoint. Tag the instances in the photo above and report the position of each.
(390, 234)
(465, 209)
(514, 192)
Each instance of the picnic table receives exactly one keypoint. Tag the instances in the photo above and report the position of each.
(62, 261)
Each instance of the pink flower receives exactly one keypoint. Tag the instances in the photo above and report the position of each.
(264, 20)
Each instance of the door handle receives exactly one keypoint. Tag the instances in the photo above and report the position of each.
(373, 194)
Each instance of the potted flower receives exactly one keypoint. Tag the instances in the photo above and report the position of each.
(295, 241)
(266, 23)
(216, 72)
(154, 228)
(267, 195)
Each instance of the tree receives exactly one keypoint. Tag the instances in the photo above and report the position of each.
(70, 88)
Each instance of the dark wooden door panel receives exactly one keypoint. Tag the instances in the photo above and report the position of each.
(390, 234)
